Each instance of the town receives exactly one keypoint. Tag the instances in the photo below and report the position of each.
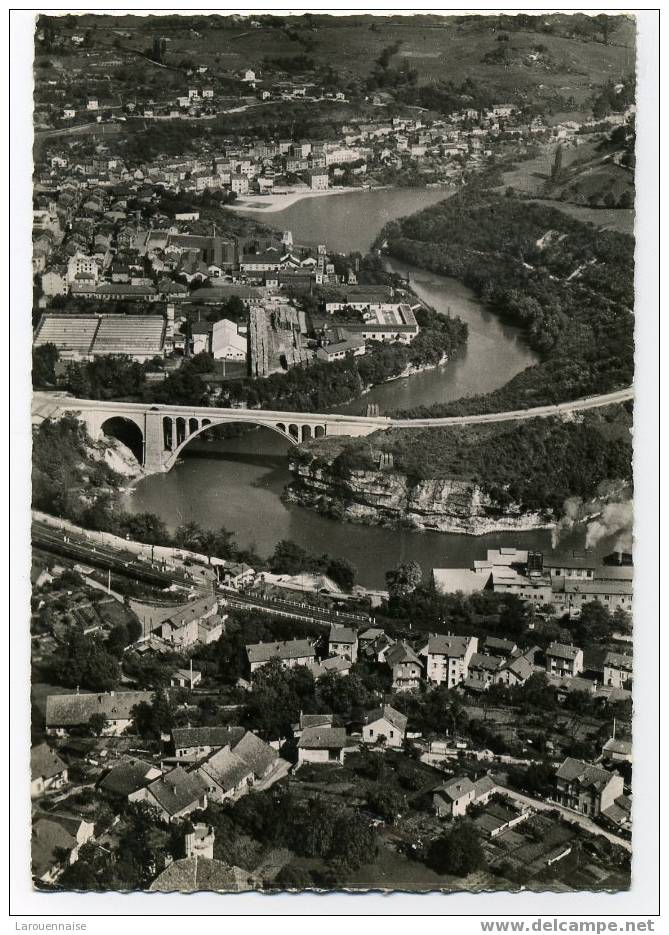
(247, 682)
(231, 709)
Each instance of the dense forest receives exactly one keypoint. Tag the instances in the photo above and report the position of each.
(537, 464)
(566, 284)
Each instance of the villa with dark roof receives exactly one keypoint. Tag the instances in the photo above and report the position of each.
(586, 788)
(289, 653)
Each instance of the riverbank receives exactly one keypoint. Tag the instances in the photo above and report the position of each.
(280, 201)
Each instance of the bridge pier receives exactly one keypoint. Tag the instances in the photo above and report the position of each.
(154, 442)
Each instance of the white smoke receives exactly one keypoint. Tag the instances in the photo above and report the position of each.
(573, 511)
(616, 519)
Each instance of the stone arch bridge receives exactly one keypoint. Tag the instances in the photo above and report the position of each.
(158, 434)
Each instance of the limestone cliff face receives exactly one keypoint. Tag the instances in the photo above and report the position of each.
(392, 499)
(117, 456)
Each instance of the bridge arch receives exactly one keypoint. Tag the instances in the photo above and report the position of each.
(172, 456)
(128, 431)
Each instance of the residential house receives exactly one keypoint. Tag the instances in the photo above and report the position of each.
(47, 770)
(127, 776)
(290, 653)
(406, 666)
(237, 574)
(55, 843)
(319, 180)
(377, 649)
(368, 636)
(185, 678)
(196, 743)
(516, 670)
(564, 660)
(482, 671)
(225, 775)
(337, 664)
(321, 745)
(184, 625)
(174, 794)
(54, 282)
(258, 755)
(196, 873)
(586, 788)
(385, 725)
(239, 183)
(63, 712)
(617, 751)
(447, 658)
(618, 670)
(311, 720)
(496, 646)
(343, 641)
(451, 799)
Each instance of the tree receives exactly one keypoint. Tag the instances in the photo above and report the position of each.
(556, 169)
(288, 558)
(154, 718)
(97, 723)
(342, 573)
(45, 358)
(594, 624)
(457, 852)
(85, 662)
(385, 802)
(118, 639)
(404, 579)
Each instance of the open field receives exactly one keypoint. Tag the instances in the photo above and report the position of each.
(448, 48)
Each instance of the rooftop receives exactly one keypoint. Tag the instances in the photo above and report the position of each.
(289, 649)
(323, 738)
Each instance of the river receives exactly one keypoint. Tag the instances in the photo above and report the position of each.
(237, 482)
(350, 222)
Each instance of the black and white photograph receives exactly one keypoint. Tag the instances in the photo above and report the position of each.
(332, 547)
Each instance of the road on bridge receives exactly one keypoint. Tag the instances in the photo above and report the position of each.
(47, 405)
(577, 405)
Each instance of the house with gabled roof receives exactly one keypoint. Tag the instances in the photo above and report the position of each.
(586, 788)
(343, 641)
(618, 669)
(450, 799)
(257, 754)
(322, 745)
(64, 712)
(289, 653)
(56, 840)
(447, 658)
(174, 795)
(406, 667)
(385, 725)
(127, 776)
(564, 660)
(226, 775)
(191, 744)
(311, 720)
(516, 670)
(47, 770)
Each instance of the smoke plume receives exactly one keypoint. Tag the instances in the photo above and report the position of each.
(616, 519)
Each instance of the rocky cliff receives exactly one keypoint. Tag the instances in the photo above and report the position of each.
(392, 499)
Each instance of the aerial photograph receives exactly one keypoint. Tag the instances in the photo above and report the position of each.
(332, 492)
